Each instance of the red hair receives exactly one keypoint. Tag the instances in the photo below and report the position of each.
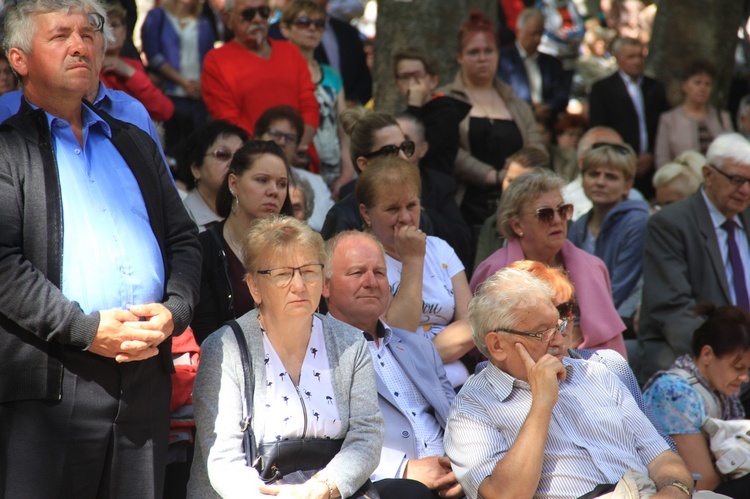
(477, 23)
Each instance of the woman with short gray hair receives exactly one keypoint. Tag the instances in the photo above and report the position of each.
(533, 217)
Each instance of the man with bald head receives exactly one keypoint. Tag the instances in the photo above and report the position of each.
(538, 423)
(696, 250)
(414, 393)
(573, 192)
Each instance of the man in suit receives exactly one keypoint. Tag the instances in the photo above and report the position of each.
(101, 265)
(414, 393)
(535, 77)
(342, 49)
(631, 103)
(692, 256)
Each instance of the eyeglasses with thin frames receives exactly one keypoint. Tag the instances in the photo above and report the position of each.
(406, 146)
(278, 135)
(736, 180)
(543, 336)
(547, 215)
(282, 276)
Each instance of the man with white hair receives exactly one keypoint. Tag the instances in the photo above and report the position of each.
(101, 265)
(696, 250)
(538, 423)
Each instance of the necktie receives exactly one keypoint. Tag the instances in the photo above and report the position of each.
(738, 271)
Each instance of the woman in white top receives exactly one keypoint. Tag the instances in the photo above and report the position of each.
(313, 378)
(423, 271)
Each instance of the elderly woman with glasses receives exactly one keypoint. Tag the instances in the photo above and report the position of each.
(533, 217)
(431, 292)
(615, 227)
(371, 136)
(312, 375)
(256, 186)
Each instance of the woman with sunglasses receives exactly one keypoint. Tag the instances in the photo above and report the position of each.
(615, 227)
(252, 73)
(427, 280)
(302, 23)
(533, 218)
(499, 123)
(371, 136)
(313, 381)
(255, 187)
(203, 165)
(176, 39)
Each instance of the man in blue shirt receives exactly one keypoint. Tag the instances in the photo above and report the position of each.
(101, 266)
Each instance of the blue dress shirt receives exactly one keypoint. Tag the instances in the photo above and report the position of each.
(111, 256)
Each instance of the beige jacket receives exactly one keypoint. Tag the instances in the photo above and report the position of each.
(678, 132)
(470, 170)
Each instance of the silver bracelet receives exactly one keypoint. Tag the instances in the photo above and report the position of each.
(327, 483)
(679, 485)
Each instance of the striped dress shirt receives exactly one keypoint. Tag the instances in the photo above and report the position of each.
(596, 433)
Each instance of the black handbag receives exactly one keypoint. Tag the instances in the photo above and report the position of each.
(285, 461)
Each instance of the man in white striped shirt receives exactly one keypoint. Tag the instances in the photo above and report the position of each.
(535, 423)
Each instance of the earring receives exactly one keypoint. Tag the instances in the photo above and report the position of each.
(235, 202)
(520, 234)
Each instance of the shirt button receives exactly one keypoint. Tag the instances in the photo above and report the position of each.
(77, 151)
(405, 434)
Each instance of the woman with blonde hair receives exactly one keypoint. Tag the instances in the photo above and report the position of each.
(313, 396)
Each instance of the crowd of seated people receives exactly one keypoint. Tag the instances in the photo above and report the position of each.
(487, 224)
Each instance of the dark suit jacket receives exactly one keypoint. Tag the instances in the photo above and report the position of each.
(421, 363)
(512, 71)
(682, 266)
(611, 105)
(354, 71)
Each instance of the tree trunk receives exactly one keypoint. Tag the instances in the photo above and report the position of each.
(431, 25)
(685, 30)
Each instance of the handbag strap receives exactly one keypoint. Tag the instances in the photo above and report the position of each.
(251, 450)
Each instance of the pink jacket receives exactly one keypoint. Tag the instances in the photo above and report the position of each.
(600, 325)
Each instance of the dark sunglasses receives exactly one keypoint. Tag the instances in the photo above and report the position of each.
(616, 147)
(249, 13)
(547, 215)
(736, 180)
(306, 22)
(221, 154)
(568, 309)
(406, 146)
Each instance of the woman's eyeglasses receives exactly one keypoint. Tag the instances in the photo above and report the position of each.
(616, 147)
(306, 22)
(282, 276)
(249, 13)
(221, 154)
(543, 336)
(406, 146)
(547, 215)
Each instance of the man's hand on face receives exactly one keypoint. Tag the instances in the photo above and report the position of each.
(544, 376)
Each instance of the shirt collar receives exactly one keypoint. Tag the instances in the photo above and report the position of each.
(523, 53)
(384, 333)
(629, 80)
(717, 217)
(88, 117)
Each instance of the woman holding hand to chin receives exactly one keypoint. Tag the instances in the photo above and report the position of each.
(427, 280)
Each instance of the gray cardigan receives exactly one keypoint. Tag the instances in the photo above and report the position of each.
(219, 468)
